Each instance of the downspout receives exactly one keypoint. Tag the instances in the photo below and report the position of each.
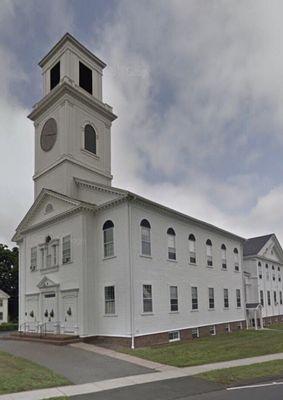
(131, 276)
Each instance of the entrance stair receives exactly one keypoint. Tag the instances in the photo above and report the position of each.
(56, 339)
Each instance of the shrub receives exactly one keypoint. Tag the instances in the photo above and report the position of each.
(8, 326)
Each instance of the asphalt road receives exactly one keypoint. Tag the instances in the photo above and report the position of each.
(188, 388)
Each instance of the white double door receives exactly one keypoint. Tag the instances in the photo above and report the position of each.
(50, 312)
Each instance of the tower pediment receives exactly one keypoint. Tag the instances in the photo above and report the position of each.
(47, 283)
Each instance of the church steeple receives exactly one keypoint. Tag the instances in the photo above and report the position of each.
(72, 124)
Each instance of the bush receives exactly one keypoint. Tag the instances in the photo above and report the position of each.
(8, 326)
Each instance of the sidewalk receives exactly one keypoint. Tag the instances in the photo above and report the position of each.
(109, 384)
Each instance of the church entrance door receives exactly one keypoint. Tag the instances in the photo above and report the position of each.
(50, 312)
(70, 314)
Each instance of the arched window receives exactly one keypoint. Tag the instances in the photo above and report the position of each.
(90, 139)
(224, 256)
(108, 238)
(145, 238)
(236, 259)
(192, 249)
(209, 253)
(48, 208)
(171, 240)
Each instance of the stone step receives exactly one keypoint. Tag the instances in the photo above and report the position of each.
(58, 340)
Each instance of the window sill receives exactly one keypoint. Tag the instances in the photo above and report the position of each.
(143, 314)
(195, 310)
(67, 262)
(174, 261)
(226, 309)
(223, 269)
(211, 309)
(145, 256)
(110, 315)
(174, 340)
(49, 269)
(209, 266)
(173, 312)
(193, 264)
(109, 257)
(237, 272)
(90, 154)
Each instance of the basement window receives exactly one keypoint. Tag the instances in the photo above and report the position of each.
(85, 79)
(195, 333)
(174, 336)
(55, 75)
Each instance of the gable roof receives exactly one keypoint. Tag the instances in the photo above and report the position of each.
(4, 295)
(253, 245)
(77, 204)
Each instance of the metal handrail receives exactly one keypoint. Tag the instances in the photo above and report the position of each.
(24, 324)
(42, 329)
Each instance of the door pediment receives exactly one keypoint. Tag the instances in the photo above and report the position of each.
(46, 283)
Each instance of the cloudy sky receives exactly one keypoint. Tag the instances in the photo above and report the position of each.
(198, 89)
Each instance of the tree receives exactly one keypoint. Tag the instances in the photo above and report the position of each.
(9, 277)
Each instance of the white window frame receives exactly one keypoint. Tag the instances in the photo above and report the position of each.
(67, 260)
(212, 330)
(211, 298)
(174, 299)
(147, 299)
(194, 297)
(145, 239)
(195, 333)
(109, 301)
(33, 258)
(238, 298)
(226, 298)
(176, 336)
(110, 244)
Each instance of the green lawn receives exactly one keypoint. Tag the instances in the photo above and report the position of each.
(211, 349)
(278, 326)
(241, 375)
(18, 374)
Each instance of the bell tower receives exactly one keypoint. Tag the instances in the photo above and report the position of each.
(72, 124)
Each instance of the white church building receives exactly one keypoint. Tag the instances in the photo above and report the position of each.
(104, 263)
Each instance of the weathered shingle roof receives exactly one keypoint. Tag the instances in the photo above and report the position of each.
(252, 246)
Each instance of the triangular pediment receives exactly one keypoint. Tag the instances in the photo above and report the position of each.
(97, 193)
(46, 283)
(48, 206)
(272, 250)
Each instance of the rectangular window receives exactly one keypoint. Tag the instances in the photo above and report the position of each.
(33, 258)
(192, 250)
(194, 298)
(238, 298)
(275, 297)
(173, 298)
(280, 296)
(66, 249)
(240, 326)
(195, 333)
(1, 302)
(147, 298)
(108, 238)
(261, 298)
(85, 80)
(212, 330)
(42, 253)
(268, 298)
(227, 328)
(174, 336)
(273, 277)
(54, 255)
(109, 293)
(1, 316)
(226, 298)
(145, 241)
(211, 298)
(55, 75)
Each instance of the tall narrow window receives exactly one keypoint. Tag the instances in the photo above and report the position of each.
(109, 294)
(238, 298)
(261, 298)
(108, 238)
(42, 254)
(236, 259)
(275, 298)
(223, 256)
(33, 258)
(173, 298)
(90, 139)
(85, 78)
(66, 249)
(211, 298)
(54, 254)
(268, 298)
(226, 298)
(209, 253)
(147, 298)
(192, 249)
(280, 297)
(55, 75)
(171, 239)
(194, 298)
(259, 269)
(145, 238)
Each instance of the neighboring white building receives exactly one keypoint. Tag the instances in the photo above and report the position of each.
(263, 271)
(98, 261)
(4, 297)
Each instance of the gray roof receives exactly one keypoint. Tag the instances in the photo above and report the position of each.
(252, 246)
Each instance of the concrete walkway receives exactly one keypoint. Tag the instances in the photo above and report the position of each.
(109, 384)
